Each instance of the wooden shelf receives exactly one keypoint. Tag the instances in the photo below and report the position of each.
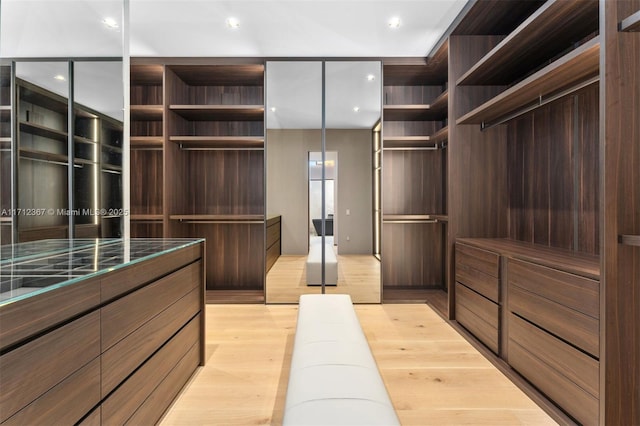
(34, 95)
(631, 23)
(224, 142)
(6, 219)
(80, 139)
(550, 30)
(577, 66)
(5, 112)
(146, 141)
(220, 112)
(441, 103)
(45, 132)
(221, 75)
(111, 167)
(432, 141)
(414, 218)
(629, 240)
(146, 112)
(33, 154)
(418, 71)
(218, 217)
(153, 217)
(441, 135)
(146, 75)
(413, 113)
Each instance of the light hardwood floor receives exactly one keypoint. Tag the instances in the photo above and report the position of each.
(433, 375)
(358, 276)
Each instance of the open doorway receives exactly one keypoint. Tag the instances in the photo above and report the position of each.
(315, 197)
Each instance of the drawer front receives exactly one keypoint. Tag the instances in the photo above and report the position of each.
(128, 397)
(66, 403)
(478, 315)
(273, 253)
(532, 303)
(484, 261)
(125, 356)
(484, 284)
(124, 316)
(575, 292)
(124, 280)
(273, 234)
(563, 373)
(49, 360)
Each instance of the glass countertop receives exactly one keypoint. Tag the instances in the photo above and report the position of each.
(29, 269)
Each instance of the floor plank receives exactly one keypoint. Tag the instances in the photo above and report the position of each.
(433, 375)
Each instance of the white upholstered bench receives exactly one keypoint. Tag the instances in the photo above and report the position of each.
(314, 264)
(334, 379)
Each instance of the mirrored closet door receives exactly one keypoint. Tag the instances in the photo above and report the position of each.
(323, 126)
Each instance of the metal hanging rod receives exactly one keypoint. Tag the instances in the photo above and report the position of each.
(541, 102)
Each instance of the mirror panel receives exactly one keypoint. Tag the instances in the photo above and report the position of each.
(6, 216)
(294, 132)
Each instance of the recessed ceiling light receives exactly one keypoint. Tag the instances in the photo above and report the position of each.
(356, 108)
(110, 23)
(371, 77)
(60, 77)
(273, 109)
(394, 22)
(233, 23)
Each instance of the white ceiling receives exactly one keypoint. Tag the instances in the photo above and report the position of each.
(268, 28)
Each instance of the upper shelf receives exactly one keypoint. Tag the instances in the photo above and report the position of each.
(576, 66)
(146, 75)
(146, 141)
(631, 23)
(394, 142)
(45, 132)
(146, 112)
(220, 112)
(220, 142)
(553, 28)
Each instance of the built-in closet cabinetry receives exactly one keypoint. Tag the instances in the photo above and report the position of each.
(200, 127)
(543, 198)
(414, 179)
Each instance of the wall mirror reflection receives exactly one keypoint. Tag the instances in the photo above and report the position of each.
(61, 119)
(295, 166)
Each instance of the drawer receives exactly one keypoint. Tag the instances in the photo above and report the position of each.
(529, 298)
(129, 396)
(483, 261)
(573, 291)
(49, 359)
(484, 284)
(566, 375)
(479, 315)
(129, 353)
(127, 314)
(273, 234)
(273, 253)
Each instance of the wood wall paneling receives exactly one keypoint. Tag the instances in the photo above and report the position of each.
(620, 214)
(146, 182)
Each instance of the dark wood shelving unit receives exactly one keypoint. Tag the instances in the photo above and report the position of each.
(554, 27)
(577, 66)
(631, 23)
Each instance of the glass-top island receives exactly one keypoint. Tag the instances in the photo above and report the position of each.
(29, 269)
(98, 331)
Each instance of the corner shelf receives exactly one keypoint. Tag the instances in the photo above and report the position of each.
(146, 141)
(536, 40)
(577, 66)
(45, 132)
(220, 142)
(631, 23)
(431, 141)
(220, 112)
(146, 112)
